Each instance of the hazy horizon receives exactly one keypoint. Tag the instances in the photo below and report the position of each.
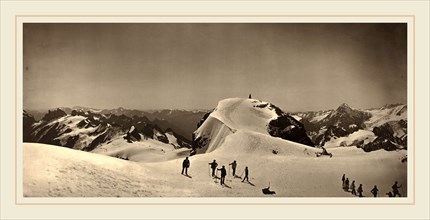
(296, 66)
(201, 109)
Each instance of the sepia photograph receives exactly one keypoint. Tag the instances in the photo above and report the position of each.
(204, 110)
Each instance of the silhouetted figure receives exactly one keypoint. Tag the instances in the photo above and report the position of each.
(214, 165)
(250, 95)
(360, 190)
(246, 174)
(353, 188)
(223, 174)
(185, 165)
(233, 167)
(343, 181)
(396, 189)
(374, 191)
(346, 188)
(267, 190)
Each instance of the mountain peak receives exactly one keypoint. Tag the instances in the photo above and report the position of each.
(54, 114)
(250, 117)
(344, 105)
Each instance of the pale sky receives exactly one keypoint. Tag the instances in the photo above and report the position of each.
(298, 67)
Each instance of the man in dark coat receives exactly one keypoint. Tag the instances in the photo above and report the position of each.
(374, 191)
(360, 190)
(246, 174)
(343, 181)
(233, 167)
(396, 190)
(214, 165)
(353, 188)
(346, 188)
(185, 165)
(223, 174)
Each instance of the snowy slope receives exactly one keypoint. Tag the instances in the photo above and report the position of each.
(246, 115)
(241, 114)
(231, 115)
(50, 171)
(386, 114)
(146, 150)
(361, 135)
(213, 131)
(314, 117)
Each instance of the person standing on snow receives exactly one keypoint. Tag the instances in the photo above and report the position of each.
(374, 191)
(353, 188)
(214, 165)
(246, 174)
(396, 189)
(185, 165)
(233, 167)
(223, 174)
(360, 190)
(346, 188)
(343, 181)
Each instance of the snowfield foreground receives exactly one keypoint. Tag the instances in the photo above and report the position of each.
(52, 171)
(236, 130)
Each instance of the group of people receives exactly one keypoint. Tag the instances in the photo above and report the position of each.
(214, 165)
(346, 186)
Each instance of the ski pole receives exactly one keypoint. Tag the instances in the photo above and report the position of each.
(242, 173)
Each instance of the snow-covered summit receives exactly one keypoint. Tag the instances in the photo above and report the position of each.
(249, 116)
(245, 114)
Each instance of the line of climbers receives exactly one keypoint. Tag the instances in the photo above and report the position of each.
(346, 187)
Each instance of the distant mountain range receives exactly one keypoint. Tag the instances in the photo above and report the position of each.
(369, 129)
(181, 121)
(86, 129)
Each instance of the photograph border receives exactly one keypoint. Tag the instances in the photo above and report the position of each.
(20, 19)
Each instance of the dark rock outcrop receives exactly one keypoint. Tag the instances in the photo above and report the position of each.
(380, 143)
(333, 132)
(390, 136)
(288, 128)
(28, 121)
(54, 114)
(205, 116)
